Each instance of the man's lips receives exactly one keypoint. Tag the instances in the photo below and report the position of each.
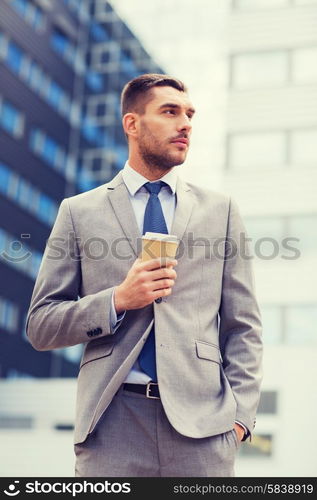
(180, 140)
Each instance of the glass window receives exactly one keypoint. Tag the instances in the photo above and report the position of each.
(89, 130)
(259, 69)
(18, 255)
(304, 228)
(105, 57)
(31, 73)
(20, 6)
(268, 402)
(9, 315)
(75, 113)
(80, 7)
(3, 46)
(128, 66)
(50, 150)
(257, 151)
(65, 105)
(104, 7)
(73, 353)
(13, 186)
(14, 57)
(27, 196)
(30, 12)
(262, 227)
(304, 67)
(14, 422)
(83, 10)
(47, 209)
(45, 86)
(261, 446)
(34, 265)
(2, 241)
(301, 324)
(98, 33)
(272, 324)
(304, 147)
(12, 318)
(54, 94)
(94, 80)
(60, 160)
(267, 234)
(24, 193)
(64, 46)
(38, 18)
(260, 4)
(101, 109)
(11, 119)
(35, 77)
(4, 178)
(36, 141)
(59, 41)
(79, 62)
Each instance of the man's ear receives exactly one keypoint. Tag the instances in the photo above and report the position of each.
(130, 124)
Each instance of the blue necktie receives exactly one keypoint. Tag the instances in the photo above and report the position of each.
(154, 222)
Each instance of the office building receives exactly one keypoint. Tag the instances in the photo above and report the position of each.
(63, 65)
(271, 171)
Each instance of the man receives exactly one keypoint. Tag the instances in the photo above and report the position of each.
(169, 379)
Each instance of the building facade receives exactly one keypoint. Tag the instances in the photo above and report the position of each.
(63, 65)
(271, 171)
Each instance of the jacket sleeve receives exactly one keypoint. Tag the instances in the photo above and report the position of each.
(240, 326)
(58, 317)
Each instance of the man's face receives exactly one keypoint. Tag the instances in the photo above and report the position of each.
(165, 128)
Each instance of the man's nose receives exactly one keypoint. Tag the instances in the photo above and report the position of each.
(185, 124)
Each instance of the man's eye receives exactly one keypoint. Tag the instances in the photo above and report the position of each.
(170, 111)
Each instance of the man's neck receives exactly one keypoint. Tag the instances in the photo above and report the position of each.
(150, 173)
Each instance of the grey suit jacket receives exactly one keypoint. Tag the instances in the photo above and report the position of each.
(93, 244)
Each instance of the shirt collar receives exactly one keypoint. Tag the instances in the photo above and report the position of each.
(134, 181)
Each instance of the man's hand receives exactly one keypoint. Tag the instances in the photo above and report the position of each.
(239, 430)
(145, 282)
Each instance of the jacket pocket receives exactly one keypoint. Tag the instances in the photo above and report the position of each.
(96, 350)
(205, 350)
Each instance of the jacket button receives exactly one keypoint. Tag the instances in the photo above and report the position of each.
(158, 300)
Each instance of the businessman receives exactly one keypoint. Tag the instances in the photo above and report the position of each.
(169, 380)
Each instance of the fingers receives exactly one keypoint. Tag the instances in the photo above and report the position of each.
(162, 284)
(152, 264)
(164, 292)
(151, 279)
(163, 273)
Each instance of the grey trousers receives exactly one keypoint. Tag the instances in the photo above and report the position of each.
(135, 439)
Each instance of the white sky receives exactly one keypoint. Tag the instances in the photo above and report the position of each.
(187, 38)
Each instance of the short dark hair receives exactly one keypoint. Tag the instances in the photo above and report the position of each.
(136, 93)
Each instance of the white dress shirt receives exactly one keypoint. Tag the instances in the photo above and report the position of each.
(139, 197)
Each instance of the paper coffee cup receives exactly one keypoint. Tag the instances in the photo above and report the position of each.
(158, 245)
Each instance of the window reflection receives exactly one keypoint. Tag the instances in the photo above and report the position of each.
(259, 69)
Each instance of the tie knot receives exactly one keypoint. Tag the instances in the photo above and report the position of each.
(154, 187)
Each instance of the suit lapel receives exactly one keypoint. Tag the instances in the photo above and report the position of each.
(184, 207)
(121, 204)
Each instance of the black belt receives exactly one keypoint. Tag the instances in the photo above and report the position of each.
(150, 390)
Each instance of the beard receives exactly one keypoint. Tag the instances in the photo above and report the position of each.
(153, 152)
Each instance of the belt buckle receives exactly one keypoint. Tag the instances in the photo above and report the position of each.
(148, 389)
